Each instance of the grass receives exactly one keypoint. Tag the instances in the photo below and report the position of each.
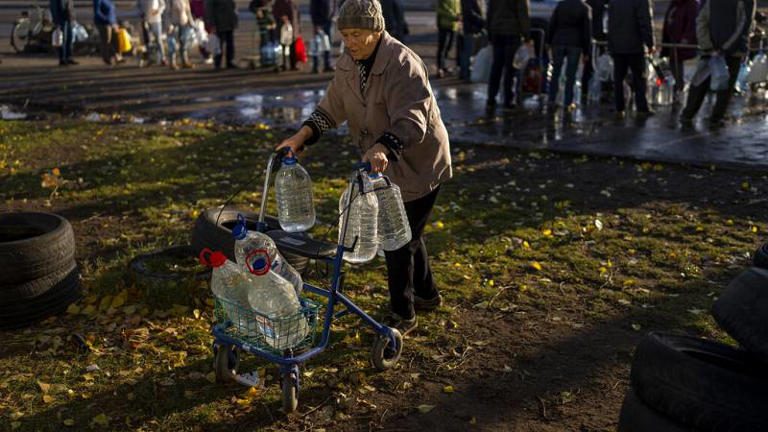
(554, 244)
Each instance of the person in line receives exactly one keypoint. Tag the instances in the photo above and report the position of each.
(198, 13)
(181, 19)
(597, 7)
(630, 33)
(322, 12)
(722, 28)
(63, 15)
(394, 19)
(151, 14)
(473, 24)
(222, 16)
(679, 28)
(105, 19)
(381, 89)
(508, 24)
(288, 9)
(569, 38)
(448, 16)
(265, 22)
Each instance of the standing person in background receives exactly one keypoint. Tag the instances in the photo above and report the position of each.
(264, 21)
(679, 28)
(381, 90)
(472, 23)
(394, 19)
(448, 16)
(151, 13)
(322, 12)
(722, 28)
(63, 15)
(181, 19)
(288, 9)
(598, 34)
(508, 24)
(105, 18)
(568, 37)
(222, 16)
(630, 32)
(198, 13)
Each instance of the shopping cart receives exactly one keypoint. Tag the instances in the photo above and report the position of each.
(240, 329)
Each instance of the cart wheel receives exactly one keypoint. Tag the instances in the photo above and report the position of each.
(290, 393)
(226, 363)
(384, 355)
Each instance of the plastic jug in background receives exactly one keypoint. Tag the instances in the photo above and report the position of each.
(293, 188)
(394, 230)
(362, 223)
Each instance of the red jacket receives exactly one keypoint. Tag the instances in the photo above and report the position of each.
(680, 27)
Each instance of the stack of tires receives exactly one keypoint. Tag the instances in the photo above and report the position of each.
(38, 273)
(683, 383)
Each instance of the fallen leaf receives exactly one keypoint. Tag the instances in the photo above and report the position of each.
(48, 398)
(69, 422)
(536, 265)
(100, 420)
(196, 313)
(73, 309)
(44, 387)
(15, 425)
(425, 408)
(636, 327)
(448, 389)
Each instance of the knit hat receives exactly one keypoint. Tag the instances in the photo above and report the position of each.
(362, 14)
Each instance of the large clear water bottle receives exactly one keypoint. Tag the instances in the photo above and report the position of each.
(293, 188)
(394, 230)
(274, 298)
(250, 245)
(230, 285)
(361, 223)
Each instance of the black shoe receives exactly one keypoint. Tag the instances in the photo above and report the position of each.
(329, 69)
(643, 114)
(405, 326)
(510, 105)
(619, 115)
(422, 304)
(716, 122)
(232, 66)
(686, 121)
(63, 63)
(72, 62)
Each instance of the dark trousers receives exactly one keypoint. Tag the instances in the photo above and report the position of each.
(328, 29)
(408, 270)
(444, 42)
(678, 72)
(622, 63)
(560, 54)
(108, 44)
(225, 38)
(697, 93)
(504, 48)
(65, 51)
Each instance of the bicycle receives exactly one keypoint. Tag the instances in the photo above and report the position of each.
(230, 339)
(32, 31)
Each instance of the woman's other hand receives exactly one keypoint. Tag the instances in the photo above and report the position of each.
(377, 156)
(296, 141)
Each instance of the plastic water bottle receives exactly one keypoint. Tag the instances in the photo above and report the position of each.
(251, 245)
(293, 187)
(361, 222)
(230, 284)
(394, 230)
(282, 324)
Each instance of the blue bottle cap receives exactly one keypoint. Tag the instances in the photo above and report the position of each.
(240, 231)
(374, 176)
(289, 160)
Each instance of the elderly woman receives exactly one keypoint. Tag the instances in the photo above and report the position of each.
(381, 88)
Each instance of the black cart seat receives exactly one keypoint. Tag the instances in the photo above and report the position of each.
(303, 245)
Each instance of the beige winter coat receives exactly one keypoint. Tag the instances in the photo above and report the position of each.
(399, 100)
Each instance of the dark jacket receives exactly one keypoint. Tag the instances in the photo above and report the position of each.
(472, 17)
(221, 14)
(680, 28)
(62, 10)
(598, 13)
(321, 12)
(509, 18)
(104, 12)
(629, 26)
(286, 8)
(725, 25)
(394, 18)
(570, 25)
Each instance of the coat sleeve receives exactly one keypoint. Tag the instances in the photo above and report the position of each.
(645, 23)
(702, 29)
(332, 105)
(408, 104)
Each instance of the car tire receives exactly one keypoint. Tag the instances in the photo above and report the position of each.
(742, 310)
(213, 230)
(54, 301)
(33, 245)
(701, 384)
(761, 256)
(636, 416)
